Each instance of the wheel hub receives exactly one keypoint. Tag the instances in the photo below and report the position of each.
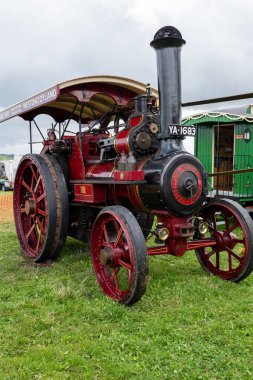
(106, 256)
(110, 255)
(29, 207)
(224, 240)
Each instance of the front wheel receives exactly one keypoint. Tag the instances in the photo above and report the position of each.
(232, 228)
(119, 255)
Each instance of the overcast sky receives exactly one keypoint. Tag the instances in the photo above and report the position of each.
(47, 42)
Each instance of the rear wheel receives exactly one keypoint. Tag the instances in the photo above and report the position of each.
(119, 255)
(39, 207)
(62, 203)
(232, 228)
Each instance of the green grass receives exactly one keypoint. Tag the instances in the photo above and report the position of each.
(55, 323)
(5, 192)
(6, 156)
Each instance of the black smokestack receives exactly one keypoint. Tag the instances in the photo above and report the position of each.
(167, 43)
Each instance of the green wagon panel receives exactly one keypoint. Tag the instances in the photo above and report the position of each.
(243, 159)
(204, 147)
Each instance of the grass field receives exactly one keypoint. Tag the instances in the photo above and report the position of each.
(56, 324)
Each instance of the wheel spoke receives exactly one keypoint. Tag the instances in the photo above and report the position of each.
(129, 275)
(38, 242)
(42, 196)
(211, 253)
(217, 259)
(34, 176)
(30, 231)
(116, 225)
(212, 217)
(230, 262)
(232, 253)
(226, 219)
(33, 172)
(42, 212)
(37, 184)
(39, 224)
(116, 240)
(128, 266)
(239, 241)
(106, 241)
(233, 227)
(231, 257)
(114, 278)
(26, 186)
(118, 237)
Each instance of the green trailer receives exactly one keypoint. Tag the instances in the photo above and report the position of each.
(224, 144)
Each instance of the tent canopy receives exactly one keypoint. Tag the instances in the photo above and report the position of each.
(84, 99)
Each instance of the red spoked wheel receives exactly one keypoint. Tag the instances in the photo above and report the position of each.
(232, 228)
(40, 203)
(119, 255)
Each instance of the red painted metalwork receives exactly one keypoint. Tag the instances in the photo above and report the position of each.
(194, 244)
(187, 246)
(90, 148)
(98, 171)
(62, 190)
(75, 161)
(120, 255)
(230, 257)
(30, 208)
(88, 91)
(41, 207)
(180, 230)
(128, 175)
(122, 141)
(90, 193)
(115, 237)
(58, 100)
(175, 186)
(155, 251)
(136, 120)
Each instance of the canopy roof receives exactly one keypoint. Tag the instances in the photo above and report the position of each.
(87, 98)
(226, 116)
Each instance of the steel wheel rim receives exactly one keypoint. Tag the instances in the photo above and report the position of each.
(228, 258)
(119, 258)
(30, 208)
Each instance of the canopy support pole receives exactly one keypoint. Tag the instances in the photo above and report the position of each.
(80, 130)
(31, 146)
(218, 158)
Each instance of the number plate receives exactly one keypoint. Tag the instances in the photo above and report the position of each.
(181, 130)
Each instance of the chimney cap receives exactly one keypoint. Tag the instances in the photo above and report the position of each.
(168, 36)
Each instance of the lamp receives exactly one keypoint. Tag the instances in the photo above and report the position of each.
(246, 135)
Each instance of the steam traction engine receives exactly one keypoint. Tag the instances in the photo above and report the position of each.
(122, 172)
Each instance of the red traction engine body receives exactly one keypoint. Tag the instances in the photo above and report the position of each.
(125, 176)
